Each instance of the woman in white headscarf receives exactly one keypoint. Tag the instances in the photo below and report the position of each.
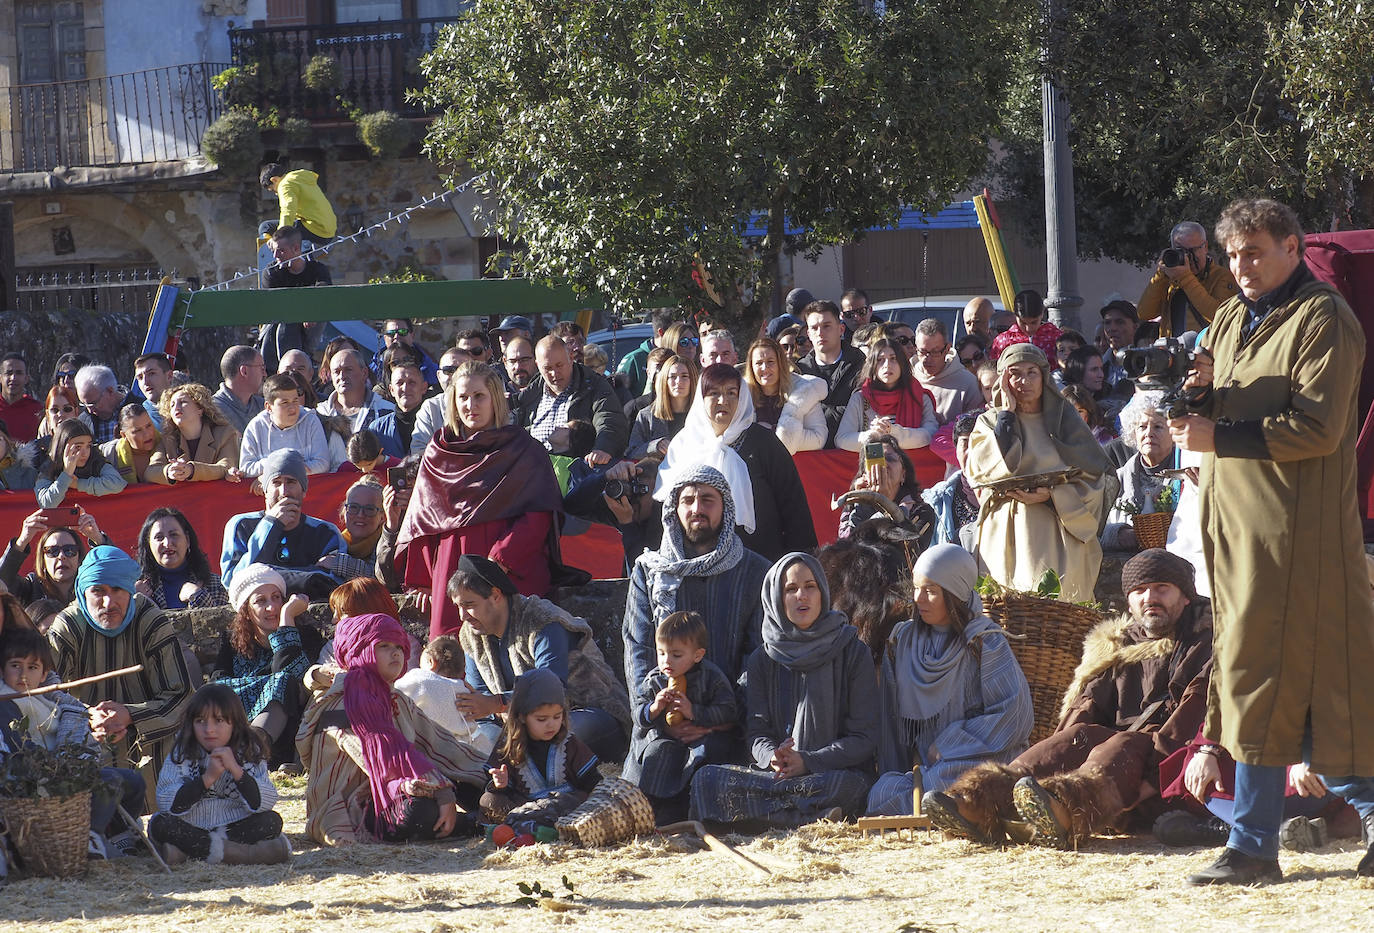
(953, 695)
(770, 502)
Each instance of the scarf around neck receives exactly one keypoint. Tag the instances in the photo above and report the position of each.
(669, 564)
(697, 444)
(904, 404)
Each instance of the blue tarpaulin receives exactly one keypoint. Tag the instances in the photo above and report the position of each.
(957, 216)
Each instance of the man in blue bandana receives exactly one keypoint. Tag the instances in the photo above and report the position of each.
(110, 627)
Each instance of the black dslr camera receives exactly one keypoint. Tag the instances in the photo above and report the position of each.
(616, 488)
(1162, 366)
(1174, 256)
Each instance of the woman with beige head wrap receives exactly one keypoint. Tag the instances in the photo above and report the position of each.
(1031, 429)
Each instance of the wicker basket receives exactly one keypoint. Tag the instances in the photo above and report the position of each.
(1152, 529)
(50, 834)
(1048, 651)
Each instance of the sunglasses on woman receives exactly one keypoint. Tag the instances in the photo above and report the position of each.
(60, 550)
(976, 358)
(689, 342)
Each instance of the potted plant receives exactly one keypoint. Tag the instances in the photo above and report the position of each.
(1152, 528)
(45, 801)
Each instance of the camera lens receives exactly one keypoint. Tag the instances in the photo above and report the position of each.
(1172, 257)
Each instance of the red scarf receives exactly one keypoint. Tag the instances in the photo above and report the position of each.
(904, 404)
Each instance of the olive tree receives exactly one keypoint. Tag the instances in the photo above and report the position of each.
(625, 143)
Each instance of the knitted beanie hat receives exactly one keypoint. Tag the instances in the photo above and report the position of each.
(247, 581)
(1157, 565)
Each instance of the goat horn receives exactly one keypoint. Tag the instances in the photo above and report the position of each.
(875, 499)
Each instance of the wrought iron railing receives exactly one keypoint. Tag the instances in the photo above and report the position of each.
(145, 116)
(378, 62)
(92, 290)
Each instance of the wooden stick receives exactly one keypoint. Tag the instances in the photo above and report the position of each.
(137, 826)
(716, 844)
(73, 683)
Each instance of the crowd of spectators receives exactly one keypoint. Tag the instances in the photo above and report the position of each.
(751, 700)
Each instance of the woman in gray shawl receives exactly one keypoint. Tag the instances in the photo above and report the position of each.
(953, 694)
(813, 713)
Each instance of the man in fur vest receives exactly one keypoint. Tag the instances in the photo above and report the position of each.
(1139, 694)
(506, 634)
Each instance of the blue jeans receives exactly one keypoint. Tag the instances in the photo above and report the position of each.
(601, 732)
(1358, 792)
(122, 786)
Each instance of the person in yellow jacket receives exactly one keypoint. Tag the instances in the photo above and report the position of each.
(1184, 297)
(303, 204)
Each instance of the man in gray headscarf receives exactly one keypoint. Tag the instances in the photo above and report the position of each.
(701, 566)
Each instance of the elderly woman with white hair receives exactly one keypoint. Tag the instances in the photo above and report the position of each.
(1149, 481)
(952, 693)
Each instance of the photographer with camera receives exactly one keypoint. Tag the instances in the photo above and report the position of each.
(1187, 287)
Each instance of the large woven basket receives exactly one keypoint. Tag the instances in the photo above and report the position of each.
(1152, 529)
(1049, 649)
(50, 834)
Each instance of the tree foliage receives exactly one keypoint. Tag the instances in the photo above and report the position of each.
(1176, 109)
(626, 141)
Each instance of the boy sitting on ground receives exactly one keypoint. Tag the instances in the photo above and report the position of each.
(684, 690)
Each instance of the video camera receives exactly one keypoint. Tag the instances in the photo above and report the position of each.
(1162, 366)
(616, 488)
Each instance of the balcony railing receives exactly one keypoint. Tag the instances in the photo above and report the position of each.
(144, 116)
(87, 289)
(378, 61)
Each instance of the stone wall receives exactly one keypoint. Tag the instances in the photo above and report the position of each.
(113, 338)
(601, 603)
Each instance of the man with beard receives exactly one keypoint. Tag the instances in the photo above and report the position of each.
(521, 370)
(1139, 694)
(701, 566)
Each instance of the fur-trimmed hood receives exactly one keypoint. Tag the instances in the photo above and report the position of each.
(1111, 644)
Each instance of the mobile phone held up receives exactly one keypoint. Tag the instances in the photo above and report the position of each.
(873, 454)
(396, 477)
(66, 517)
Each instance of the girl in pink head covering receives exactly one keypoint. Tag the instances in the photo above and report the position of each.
(379, 769)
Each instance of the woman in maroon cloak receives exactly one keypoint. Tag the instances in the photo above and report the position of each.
(485, 487)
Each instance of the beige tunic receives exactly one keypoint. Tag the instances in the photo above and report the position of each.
(338, 792)
(1019, 542)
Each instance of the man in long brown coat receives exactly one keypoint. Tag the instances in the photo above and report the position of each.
(1294, 624)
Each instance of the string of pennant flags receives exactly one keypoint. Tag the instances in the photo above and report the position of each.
(323, 249)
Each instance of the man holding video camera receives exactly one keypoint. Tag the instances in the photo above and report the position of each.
(1275, 414)
(1187, 287)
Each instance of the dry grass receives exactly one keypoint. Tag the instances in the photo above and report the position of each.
(826, 878)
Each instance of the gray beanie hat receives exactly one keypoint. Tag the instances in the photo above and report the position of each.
(536, 688)
(797, 299)
(285, 461)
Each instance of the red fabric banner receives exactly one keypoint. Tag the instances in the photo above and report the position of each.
(599, 551)
(210, 505)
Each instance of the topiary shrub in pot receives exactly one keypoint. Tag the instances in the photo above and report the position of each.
(234, 143)
(384, 133)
